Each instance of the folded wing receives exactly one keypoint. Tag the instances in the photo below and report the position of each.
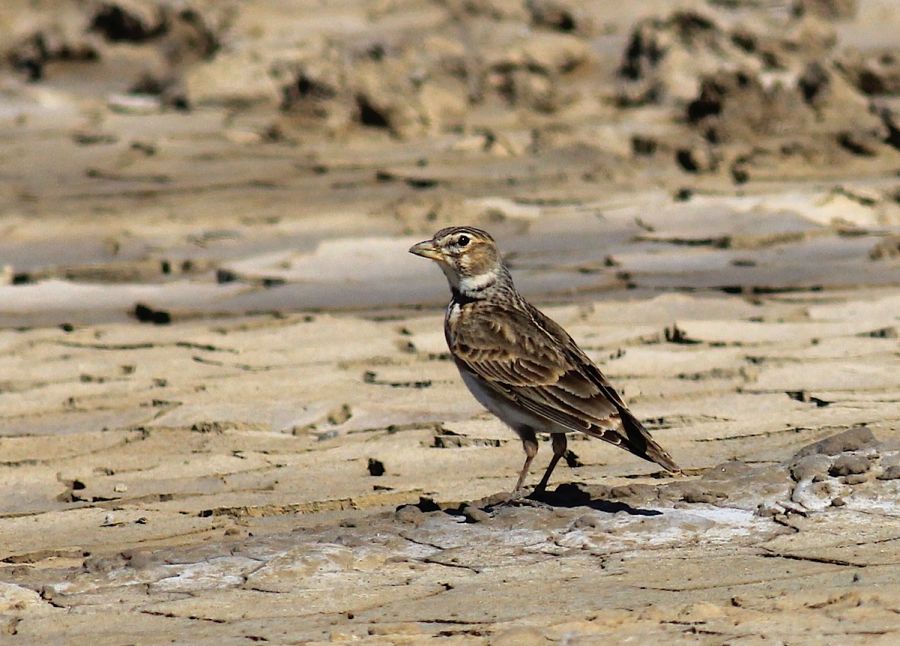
(531, 360)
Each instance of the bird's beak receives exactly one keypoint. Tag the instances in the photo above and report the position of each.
(426, 249)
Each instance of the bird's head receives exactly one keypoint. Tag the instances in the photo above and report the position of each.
(468, 257)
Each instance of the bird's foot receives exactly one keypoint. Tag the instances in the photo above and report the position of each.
(515, 498)
(522, 498)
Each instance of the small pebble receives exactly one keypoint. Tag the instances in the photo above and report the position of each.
(810, 466)
(765, 510)
(475, 515)
(849, 465)
(409, 514)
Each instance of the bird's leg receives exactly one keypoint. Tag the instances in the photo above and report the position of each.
(559, 450)
(530, 444)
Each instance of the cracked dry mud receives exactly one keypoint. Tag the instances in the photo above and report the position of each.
(216, 478)
(227, 411)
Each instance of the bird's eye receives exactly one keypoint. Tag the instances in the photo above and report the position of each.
(462, 241)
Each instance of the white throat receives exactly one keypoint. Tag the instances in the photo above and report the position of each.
(473, 284)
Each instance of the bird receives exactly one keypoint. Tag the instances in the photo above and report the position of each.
(521, 365)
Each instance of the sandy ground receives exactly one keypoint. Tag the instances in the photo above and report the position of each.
(227, 413)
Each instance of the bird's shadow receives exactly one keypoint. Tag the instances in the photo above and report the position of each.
(572, 495)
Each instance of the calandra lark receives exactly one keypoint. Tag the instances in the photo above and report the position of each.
(519, 364)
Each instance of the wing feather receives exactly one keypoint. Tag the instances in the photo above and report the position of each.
(525, 362)
(526, 357)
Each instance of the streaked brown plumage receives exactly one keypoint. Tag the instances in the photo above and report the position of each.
(521, 365)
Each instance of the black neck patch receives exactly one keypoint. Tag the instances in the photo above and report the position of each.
(463, 299)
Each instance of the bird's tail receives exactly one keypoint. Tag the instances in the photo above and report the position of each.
(631, 435)
(639, 442)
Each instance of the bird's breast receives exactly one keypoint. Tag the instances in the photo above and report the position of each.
(451, 318)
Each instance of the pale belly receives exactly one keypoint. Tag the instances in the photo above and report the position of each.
(511, 415)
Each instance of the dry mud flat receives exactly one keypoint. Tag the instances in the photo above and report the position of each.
(704, 196)
(216, 158)
(313, 478)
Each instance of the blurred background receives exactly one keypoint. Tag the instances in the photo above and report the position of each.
(167, 159)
